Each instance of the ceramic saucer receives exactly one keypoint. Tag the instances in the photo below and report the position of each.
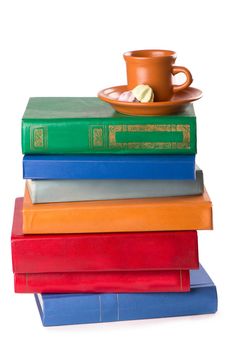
(175, 105)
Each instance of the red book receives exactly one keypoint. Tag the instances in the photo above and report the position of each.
(103, 282)
(133, 251)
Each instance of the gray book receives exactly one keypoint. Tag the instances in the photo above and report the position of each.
(46, 191)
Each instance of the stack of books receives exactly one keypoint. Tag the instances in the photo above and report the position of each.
(107, 228)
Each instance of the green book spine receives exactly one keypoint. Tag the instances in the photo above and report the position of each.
(87, 125)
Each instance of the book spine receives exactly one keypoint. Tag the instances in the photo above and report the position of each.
(103, 282)
(167, 135)
(145, 251)
(154, 167)
(49, 191)
(58, 310)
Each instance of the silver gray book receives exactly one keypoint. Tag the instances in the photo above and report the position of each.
(47, 191)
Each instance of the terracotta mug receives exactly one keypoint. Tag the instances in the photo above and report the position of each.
(155, 68)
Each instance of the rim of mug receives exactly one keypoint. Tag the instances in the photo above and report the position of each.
(134, 54)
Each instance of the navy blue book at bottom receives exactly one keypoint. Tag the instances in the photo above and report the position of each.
(68, 309)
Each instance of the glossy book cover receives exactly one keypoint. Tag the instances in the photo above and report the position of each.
(103, 282)
(104, 166)
(75, 125)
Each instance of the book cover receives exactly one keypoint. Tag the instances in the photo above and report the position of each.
(122, 215)
(49, 191)
(75, 125)
(68, 309)
(133, 251)
(104, 166)
(103, 282)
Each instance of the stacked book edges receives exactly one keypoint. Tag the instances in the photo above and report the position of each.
(107, 228)
(146, 214)
(67, 309)
(102, 262)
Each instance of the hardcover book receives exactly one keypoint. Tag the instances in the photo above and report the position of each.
(103, 282)
(68, 309)
(104, 166)
(123, 215)
(75, 125)
(49, 191)
(133, 251)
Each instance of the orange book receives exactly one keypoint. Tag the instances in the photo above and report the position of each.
(147, 214)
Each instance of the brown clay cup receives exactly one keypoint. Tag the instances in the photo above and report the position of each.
(155, 68)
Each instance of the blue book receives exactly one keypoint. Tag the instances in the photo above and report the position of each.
(153, 167)
(68, 309)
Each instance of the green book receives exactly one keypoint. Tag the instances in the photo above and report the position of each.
(76, 125)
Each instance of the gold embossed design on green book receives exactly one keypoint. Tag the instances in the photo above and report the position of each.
(76, 125)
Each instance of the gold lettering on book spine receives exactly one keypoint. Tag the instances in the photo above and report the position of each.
(172, 128)
(38, 138)
(98, 137)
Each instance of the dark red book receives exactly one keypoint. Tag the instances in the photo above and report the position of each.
(140, 251)
(103, 282)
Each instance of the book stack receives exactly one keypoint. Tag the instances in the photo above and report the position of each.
(107, 228)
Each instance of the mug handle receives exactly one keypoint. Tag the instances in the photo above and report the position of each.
(189, 78)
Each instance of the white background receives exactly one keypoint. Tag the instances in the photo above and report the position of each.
(74, 48)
